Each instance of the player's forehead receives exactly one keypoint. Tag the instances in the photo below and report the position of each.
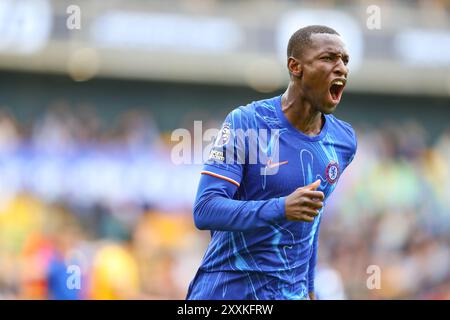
(324, 42)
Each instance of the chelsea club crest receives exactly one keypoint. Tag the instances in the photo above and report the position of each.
(332, 172)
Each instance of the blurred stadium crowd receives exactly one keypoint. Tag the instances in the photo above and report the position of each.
(79, 190)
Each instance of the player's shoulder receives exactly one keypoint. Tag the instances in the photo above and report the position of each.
(343, 129)
(255, 109)
(247, 115)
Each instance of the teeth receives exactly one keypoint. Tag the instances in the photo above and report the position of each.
(339, 83)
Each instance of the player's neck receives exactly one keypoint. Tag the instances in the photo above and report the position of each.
(300, 112)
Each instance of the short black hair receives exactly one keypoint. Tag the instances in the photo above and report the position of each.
(302, 38)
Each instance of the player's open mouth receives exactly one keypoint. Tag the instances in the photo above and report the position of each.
(336, 89)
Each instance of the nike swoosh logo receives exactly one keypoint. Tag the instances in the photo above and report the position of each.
(271, 164)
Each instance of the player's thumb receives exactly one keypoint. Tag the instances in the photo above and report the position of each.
(314, 185)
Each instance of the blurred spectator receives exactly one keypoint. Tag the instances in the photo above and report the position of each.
(115, 273)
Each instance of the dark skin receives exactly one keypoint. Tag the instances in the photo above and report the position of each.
(307, 95)
(306, 99)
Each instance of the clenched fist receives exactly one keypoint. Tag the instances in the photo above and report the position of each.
(304, 203)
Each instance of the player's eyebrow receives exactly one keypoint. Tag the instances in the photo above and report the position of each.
(335, 53)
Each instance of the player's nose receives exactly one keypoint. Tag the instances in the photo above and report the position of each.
(341, 69)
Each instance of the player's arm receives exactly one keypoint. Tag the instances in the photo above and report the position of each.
(215, 205)
(215, 208)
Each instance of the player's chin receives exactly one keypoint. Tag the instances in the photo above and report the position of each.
(331, 100)
(329, 106)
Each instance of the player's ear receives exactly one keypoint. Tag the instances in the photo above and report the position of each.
(294, 67)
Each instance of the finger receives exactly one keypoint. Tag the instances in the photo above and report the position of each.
(310, 212)
(314, 195)
(303, 217)
(313, 204)
(314, 185)
(307, 218)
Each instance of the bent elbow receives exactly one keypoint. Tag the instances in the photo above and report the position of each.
(200, 224)
(199, 220)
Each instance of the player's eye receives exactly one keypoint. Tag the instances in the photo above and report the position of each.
(327, 58)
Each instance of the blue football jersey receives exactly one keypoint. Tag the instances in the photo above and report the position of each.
(257, 160)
